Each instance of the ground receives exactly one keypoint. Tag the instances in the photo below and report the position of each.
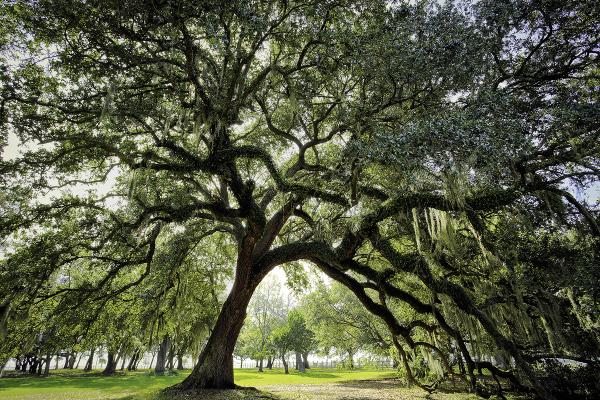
(316, 384)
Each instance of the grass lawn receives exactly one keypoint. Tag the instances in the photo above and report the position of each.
(142, 385)
(315, 384)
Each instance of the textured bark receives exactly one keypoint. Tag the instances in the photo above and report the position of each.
(72, 359)
(285, 364)
(161, 357)
(90, 361)
(215, 365)
(47, 364)
(111, 364)
(131, 365)
(299, 362)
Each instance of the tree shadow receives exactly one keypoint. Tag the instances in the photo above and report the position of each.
(241, 393)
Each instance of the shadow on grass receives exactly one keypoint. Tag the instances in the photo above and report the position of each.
(213, 394)
(88, 381)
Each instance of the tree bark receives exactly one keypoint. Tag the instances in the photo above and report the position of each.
(90, 361)
(269, 362)
(179, 362)
(285, 364)
(215, 365)
(47, 364)
(171, 357)
(111, 364)
(260, 365)
(305, 360)
(72, 359)
(299, 362)
(131, 365)
(161, 357)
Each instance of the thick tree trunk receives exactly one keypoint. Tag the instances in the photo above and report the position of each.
(111, 364)
(305, 360)
(90, 361)
(269, 362)
(260, 365)
(161, 357)
(180, 362)
(215, 365)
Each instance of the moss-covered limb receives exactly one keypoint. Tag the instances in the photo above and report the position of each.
(501, 373)
(463, 301)
(592, 222)
(329, 268)
(283, 185)
(409, 375)
(443, 358)
(483, 201)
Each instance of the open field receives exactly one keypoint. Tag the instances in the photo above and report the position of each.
(316, 384)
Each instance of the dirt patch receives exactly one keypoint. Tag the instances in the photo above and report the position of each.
(357, 390)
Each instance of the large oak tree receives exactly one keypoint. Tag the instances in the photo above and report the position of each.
(393, 145)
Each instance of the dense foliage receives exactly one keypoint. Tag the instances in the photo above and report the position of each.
(428, 156)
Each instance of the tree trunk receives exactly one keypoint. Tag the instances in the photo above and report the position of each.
(132, 360)
(215, 365)
(305, 360)
(241, 362)
(161, 357)
(299, 362)
(170, 364)
(47, 364)
(285, 364)
(111, 364)
(123, 363)
(67, 358)
(90, 361)
(79, 360)
(179, 362)
(57, 360)
(269, 362)
(72, 359)
(260, 365)
(152, 360)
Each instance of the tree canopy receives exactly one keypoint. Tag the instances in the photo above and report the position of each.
(424, 154)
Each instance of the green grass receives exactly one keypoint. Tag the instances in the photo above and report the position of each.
(142, 385)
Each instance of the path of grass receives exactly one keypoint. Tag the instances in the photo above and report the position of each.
(142, 385)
